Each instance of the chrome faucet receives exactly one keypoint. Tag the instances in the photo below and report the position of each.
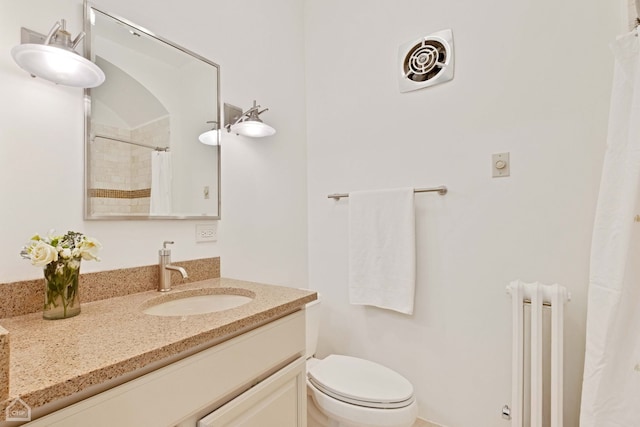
(164, 284)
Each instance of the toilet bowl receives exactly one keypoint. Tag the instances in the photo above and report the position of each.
(345, 391)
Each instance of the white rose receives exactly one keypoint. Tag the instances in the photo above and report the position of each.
(42, 254)
(65, 253)
(89, 249)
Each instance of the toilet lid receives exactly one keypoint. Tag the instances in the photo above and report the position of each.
(361, 382)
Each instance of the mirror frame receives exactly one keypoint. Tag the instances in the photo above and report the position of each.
(88, 6)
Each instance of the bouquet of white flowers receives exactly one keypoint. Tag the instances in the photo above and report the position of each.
(60, 255)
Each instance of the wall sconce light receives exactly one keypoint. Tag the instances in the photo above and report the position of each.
(247, 123)
(210, 137)
(53, 57)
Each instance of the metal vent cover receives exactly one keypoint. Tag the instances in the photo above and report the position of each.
(426, 61)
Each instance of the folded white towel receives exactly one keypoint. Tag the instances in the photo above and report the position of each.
(382, 249)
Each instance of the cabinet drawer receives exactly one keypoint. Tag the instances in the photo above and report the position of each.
(279, 401)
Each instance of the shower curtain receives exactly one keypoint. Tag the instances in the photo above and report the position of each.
(160, 203)
(611, 384)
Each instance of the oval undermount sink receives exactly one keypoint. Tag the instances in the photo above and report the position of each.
(190, 304)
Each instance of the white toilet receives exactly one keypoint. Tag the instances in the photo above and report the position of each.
(345, 391)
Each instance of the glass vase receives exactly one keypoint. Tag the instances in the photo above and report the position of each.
(61, 279)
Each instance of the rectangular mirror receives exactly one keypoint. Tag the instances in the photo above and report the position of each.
(144, 158)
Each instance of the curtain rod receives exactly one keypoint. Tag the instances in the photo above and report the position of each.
(442, 190)
(131, 142)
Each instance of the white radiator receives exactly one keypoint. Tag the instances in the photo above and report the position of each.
(538, 295)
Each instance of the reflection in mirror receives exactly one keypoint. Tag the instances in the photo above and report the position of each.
(142, 152)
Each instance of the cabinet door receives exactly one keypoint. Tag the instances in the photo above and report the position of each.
(278, 401)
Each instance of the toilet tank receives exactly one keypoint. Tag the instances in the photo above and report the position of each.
(312, 319)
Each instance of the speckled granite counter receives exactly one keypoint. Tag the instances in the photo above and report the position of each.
(112, 338)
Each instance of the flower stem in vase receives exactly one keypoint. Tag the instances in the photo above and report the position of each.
(61, 289)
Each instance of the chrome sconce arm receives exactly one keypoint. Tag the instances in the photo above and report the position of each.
(60, 37)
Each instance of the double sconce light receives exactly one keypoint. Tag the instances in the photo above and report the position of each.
(53, 57)
(245, 124)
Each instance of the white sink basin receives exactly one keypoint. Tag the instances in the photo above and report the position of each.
(189, 305)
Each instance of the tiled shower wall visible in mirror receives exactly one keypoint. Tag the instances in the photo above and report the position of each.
(121, 173)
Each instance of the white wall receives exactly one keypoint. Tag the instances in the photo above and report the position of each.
(262, 234)
(533, 79)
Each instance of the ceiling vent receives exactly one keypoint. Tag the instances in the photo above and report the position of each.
(426, 61)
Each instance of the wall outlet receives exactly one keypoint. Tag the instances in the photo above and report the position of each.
(207, 232)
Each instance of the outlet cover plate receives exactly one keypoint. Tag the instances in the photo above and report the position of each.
(207, 232)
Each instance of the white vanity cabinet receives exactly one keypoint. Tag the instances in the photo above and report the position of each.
(256, 379)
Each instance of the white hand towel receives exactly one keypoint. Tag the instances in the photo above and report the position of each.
(382, 249)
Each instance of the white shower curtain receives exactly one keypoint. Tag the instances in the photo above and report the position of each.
(160, 203)
(611, 384)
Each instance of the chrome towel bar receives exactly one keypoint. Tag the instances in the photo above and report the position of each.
(442, 190)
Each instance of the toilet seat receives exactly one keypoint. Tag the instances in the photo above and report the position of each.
(361, 382)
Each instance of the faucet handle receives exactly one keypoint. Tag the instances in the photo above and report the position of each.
(166, 252)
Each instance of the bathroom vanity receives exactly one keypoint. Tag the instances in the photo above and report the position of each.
(241, 366)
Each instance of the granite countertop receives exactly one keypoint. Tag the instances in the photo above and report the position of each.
(53, 360)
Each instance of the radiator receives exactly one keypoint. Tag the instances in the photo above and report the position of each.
(537, 295)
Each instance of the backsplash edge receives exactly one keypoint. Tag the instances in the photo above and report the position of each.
(24, 297)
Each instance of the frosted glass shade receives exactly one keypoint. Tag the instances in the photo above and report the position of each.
(253, 129)
(58, 65)
(209, 137)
